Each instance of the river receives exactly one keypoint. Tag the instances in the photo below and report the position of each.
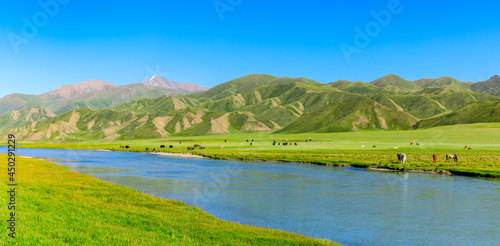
(348, 205)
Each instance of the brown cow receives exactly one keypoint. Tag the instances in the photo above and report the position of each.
(190, 148)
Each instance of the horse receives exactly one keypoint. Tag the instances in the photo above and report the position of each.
(402, 157)
(190, 148)
(452, 156)
(434, 157)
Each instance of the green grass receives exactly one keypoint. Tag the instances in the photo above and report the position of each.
(55, 206)
(343, 149)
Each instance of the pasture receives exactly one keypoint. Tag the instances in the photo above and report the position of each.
(340, 149)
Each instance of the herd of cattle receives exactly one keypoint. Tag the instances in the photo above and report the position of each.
(401, 156)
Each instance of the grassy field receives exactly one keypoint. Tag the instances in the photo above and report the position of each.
(343, 149)
(55, 206)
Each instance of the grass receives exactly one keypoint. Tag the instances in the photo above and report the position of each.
(343, 149)
(55, 206)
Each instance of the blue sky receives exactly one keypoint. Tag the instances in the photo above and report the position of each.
(124, 42)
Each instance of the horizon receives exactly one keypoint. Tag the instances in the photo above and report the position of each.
(207, 43)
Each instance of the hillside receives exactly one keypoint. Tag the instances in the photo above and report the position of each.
(351, 116)
(475, 112)
(490, 86)
(19, 118)
(393, 80)
(94, 94)
(446, 82)
(246, 83)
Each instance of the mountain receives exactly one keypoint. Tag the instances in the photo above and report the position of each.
(96, 94)
(351, 116)
(446, 82)
(19, 118)
(250, 103)
(475, 112)
(246, 83)
(160, 82)
(393, 80)
(490, 86)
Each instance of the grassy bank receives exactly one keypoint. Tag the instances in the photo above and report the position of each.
(55, 206)
(342, 149)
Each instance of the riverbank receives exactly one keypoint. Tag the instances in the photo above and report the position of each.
(55, 206)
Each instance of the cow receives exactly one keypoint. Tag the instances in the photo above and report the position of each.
(452, 156)
(295, 144)
(190, 148)
(147, 149)
(434, 158)
(170, 146)
(127, 147)
(222, 147)
(196, 145)
(121, 146)
(202, 147)
(402, 157)
(162, 146)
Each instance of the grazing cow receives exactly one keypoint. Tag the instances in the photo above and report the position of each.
(247, 140)
(434, 157)
(396, 147)
(374, 146)
(190, 148)
(402, 157)
(196, 145)
(162, 146)
(418, 144)
(225, 141)
(121, 146)
(251, 144)
(252, 140)
(469, 148)
(222, 147)
(154, 149)
(202, 147)
(274, 143)
(295, 144)
(362, 146)
(466, 147)
(170, 146)
(147, 149)
(127, 147)
(452, 156)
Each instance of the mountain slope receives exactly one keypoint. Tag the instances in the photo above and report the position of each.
(446, 82)
(351, 116)
(475, 112)
(246, 83)
(393, 80)
(490, 86)
(19, 118)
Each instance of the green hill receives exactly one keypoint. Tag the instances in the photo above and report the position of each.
(490, 86)
(393, 80)
(475, 112)
(351, 116)
(246, 83)
(446, 82)
(19, 118)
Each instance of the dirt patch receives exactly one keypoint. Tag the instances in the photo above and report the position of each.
(220, 125)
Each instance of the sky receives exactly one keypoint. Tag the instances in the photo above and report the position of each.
(49, 43)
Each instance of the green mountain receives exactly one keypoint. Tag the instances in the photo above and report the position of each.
(251, 103)
(490, 87)
(246, 83)
(393, 80)
(19, 118)
(446, 82)
(475, 112)
(351, 116)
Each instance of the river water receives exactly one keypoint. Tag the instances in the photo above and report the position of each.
(347, 205)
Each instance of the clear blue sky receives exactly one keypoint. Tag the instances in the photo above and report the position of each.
(187, 41)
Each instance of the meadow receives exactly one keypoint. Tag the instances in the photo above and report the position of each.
(55, 206)
(374, 149)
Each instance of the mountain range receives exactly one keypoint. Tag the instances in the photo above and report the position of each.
(265, 103)
(96, 94)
